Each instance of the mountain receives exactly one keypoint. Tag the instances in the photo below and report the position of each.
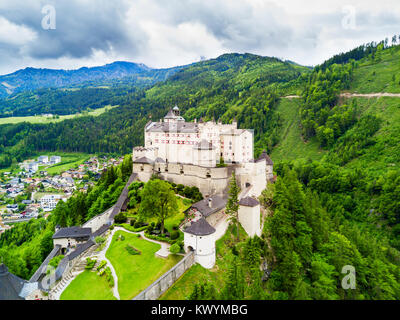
(32, 78)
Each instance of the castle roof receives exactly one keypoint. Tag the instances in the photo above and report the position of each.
(248, 202)
(265, 156)
(170, 115)
(10, 285)
(200, 228)
(159, 160)
(175, 127)
(217, 203)
(143, 160)
(72, 232)
(176, 108)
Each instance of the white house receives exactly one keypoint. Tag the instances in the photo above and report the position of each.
(55, 159)
(43, 159)
(49, 202)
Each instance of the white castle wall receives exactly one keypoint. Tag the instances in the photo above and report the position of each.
(249, 218)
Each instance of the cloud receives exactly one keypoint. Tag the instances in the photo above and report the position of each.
(163, 33)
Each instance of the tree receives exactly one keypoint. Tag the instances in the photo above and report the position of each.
(235, 283)
(158, 200)
(232, 206)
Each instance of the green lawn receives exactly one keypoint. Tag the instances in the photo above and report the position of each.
(136, 272)
(88, 286)
(41, 119)
(68, 161)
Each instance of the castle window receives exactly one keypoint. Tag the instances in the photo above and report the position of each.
(208, 175)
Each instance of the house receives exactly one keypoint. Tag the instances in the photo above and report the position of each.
(43, 159)
(55, 159)
(71, 237)
(49, 202)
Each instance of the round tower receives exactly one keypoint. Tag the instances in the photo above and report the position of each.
(200, 238)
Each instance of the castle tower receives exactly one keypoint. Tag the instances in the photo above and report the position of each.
(200, 238)
(249, 216)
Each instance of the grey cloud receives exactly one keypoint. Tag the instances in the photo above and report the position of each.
(236, 26)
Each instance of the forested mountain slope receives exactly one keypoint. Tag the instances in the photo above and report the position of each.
(243, 86)
(31, 78)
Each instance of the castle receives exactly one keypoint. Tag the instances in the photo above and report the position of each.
(204, 154)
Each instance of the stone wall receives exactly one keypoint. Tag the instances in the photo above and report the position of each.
(161, 285)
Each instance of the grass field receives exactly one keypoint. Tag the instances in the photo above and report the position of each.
(88, 286)
(68, 161)
(136, 272)
(371, 76)
(291, 145)
(41, 119)
(385, 153)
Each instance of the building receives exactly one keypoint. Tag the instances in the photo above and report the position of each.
(49, 202)
(190, 153)
(55, 159)
(68, 238)
(43, 159)
(200, 237)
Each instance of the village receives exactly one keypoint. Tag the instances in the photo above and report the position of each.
(32, 191)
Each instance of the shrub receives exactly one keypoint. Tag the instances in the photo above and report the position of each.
(138, 224)
(99, 240)
(112, 227)
(120, 218)
(132, 222)
(120, 238)
(56, 261)
(175, 248)
(175, 227)
(101, 265)
(90, 263)
(150, 228)
(133, 251)
(174, 235)
(181, 244)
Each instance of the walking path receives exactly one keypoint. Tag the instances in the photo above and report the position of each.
(358, 95)
(163, 252)
(102, 256)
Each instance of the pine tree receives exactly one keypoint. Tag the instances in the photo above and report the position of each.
(232, 206)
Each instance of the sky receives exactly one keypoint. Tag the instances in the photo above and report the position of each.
(69, 34)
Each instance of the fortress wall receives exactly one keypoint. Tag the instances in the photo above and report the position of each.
(192, 176)
(162, 284)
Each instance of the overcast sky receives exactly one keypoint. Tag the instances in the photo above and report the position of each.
(165, 33)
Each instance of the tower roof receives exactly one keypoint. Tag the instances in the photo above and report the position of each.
(248, 202)
(10, 285)
(200, 228)
(265, 156)
(176, 108)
